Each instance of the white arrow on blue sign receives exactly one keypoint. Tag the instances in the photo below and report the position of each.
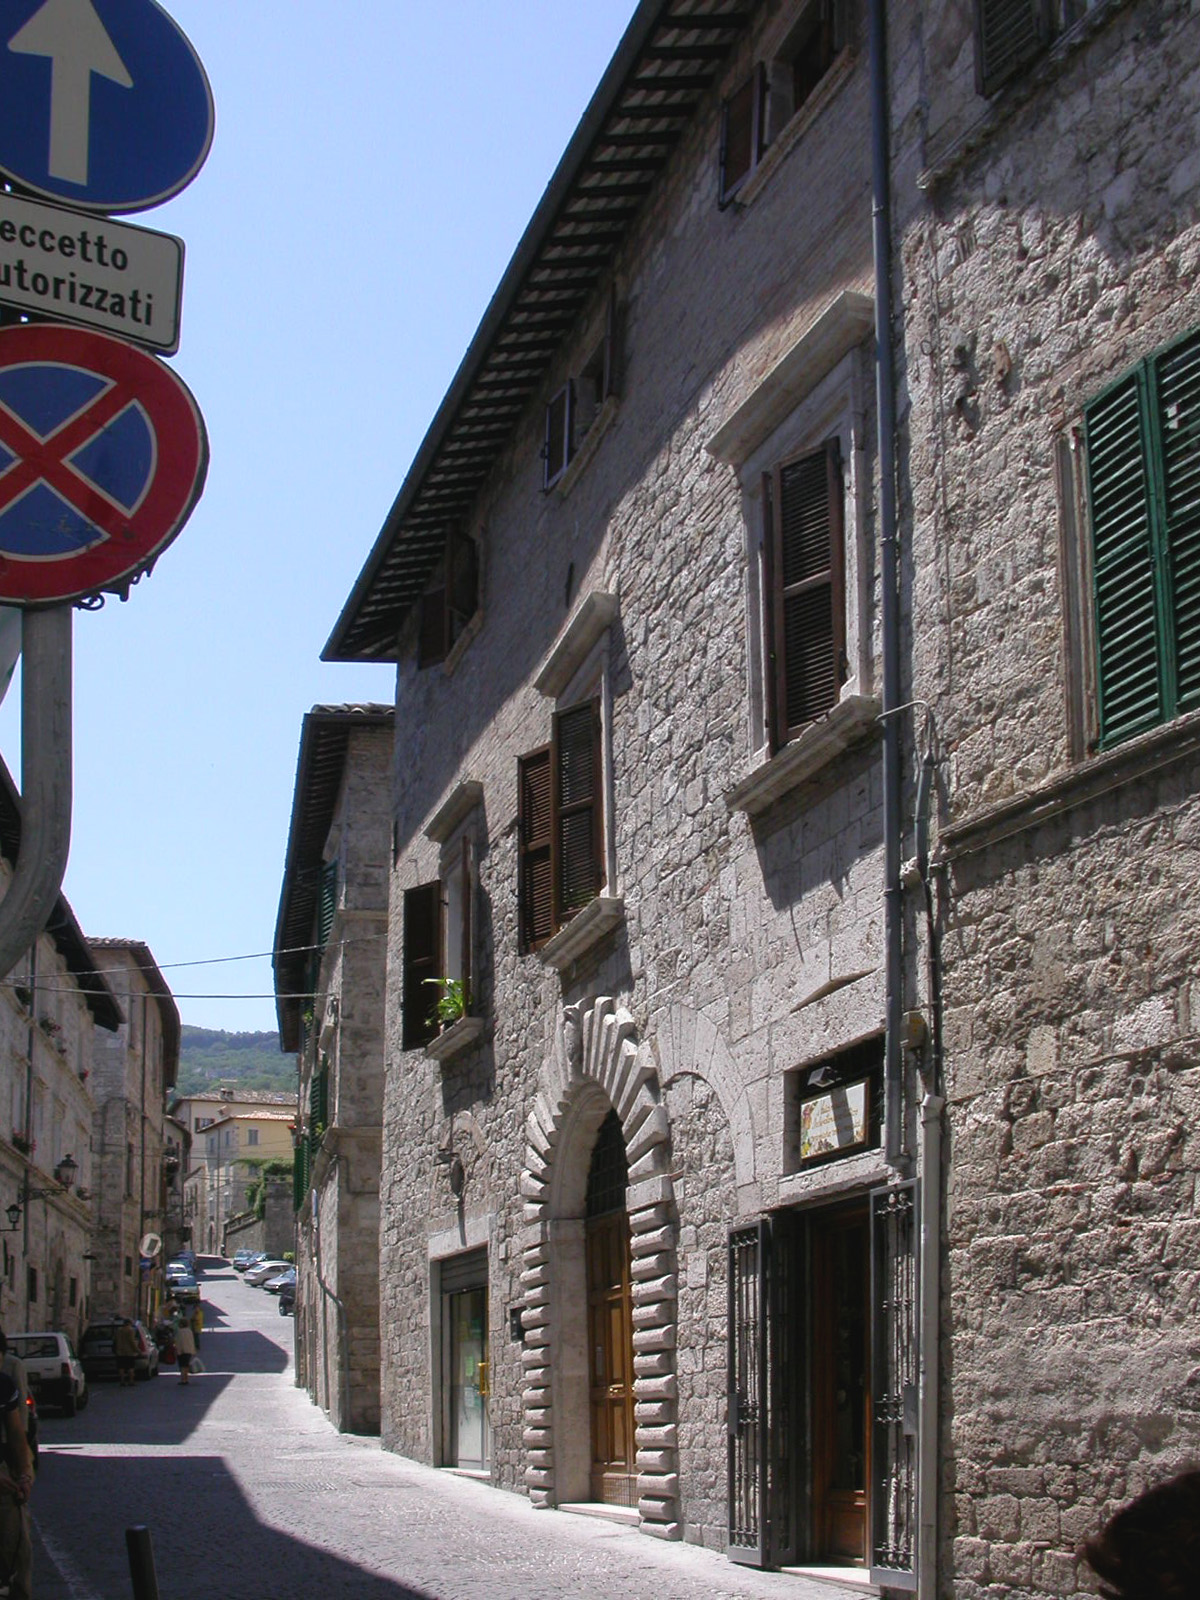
(103, 103)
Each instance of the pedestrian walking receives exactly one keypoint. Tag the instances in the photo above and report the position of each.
(16, 1483)
(185, 1349)
(198, 1323)
(125, 1348)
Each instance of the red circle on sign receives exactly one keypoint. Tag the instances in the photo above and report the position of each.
(65, 392)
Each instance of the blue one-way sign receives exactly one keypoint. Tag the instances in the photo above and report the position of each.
(103, 103)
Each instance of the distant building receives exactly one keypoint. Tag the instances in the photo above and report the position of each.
(198, 1112)
(54, 1006)
(135, 1069)
(330, 966)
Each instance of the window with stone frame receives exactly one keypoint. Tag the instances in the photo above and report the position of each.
(1141, 441)
(438, 944)
(572, 412)
(451, 600)
(804, 607)
(1011, 34)
(560, 825)
(760, 108)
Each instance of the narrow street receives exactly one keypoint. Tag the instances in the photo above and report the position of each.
(251, 1495)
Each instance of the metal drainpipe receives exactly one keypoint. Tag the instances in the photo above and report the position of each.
(343, 1327)
(885, 390)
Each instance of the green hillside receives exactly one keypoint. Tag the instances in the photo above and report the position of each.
(210, 1058)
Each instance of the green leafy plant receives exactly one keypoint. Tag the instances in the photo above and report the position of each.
(451, 1004)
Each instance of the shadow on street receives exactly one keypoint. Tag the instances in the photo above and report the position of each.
(194, 1510)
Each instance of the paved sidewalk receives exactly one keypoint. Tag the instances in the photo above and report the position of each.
(251, 1495)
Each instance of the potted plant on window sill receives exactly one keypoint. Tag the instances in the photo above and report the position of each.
(451, 1012)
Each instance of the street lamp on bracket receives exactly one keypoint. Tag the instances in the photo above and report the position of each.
(64, 1177)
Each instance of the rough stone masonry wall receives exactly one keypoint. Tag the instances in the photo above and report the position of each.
(729, 925)
(1064, 249)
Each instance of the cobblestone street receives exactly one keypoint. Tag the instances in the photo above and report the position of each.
(251, 1495)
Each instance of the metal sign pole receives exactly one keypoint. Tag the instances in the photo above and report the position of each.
(45, 782)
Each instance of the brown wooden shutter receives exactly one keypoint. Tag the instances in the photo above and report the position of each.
(807, 577)
(462, 583)
(610, 380)
(1009, 34)
(468, 896)
(422, 960)
(770, 648)
(578, 812)
(742, 132)
(535, 883)
(431, 635)
(557, 448)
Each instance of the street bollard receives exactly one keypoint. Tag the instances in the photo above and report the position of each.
(141, 1563)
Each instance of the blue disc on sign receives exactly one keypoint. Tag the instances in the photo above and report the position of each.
(58, 513)
(103, 103)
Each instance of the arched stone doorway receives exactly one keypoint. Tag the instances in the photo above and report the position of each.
(598, 1070)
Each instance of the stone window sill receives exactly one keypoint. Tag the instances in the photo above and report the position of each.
(1130, 762)
(852, 722)
(584, 931)
(455, 1038)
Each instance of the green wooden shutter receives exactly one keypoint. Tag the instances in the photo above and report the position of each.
(421, 960)
(535, 884)
(577, 809)
(1125, 579)
(809, 632)
(1177, 418)
(327, 902)
(1009, 34)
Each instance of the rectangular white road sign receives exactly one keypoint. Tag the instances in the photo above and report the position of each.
(73, 266)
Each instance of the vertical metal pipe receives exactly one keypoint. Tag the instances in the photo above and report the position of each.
(885, 389)
(45, 782)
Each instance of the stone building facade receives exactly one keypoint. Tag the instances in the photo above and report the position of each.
(53, 1006)
(330, 964)
(792, 801)
(1051, 284)
(135, 1069)
(197, 1113)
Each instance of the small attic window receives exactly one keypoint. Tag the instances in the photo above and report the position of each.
(448, 605)
(572, 412)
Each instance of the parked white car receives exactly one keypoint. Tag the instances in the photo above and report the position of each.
(56, 1376)
(265, 1269)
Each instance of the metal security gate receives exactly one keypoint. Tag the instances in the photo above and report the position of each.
(747, 1419)
(895, 1376)
(765, 1402)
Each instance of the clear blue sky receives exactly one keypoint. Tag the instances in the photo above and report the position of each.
(373, 169)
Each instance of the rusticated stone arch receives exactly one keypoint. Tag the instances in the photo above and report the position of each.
(688, 1042)
(597, 1064)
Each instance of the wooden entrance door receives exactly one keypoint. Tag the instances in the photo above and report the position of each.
(610, 1331)
(610, 1320)
(841, 1403)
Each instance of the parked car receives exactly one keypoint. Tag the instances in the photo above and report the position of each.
(275, 1285)
(183, 1287)
(242, 1259)
(188, 1257)
(266, 1269)
(96, 1349)
(287, 1297)
(55, 1372)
